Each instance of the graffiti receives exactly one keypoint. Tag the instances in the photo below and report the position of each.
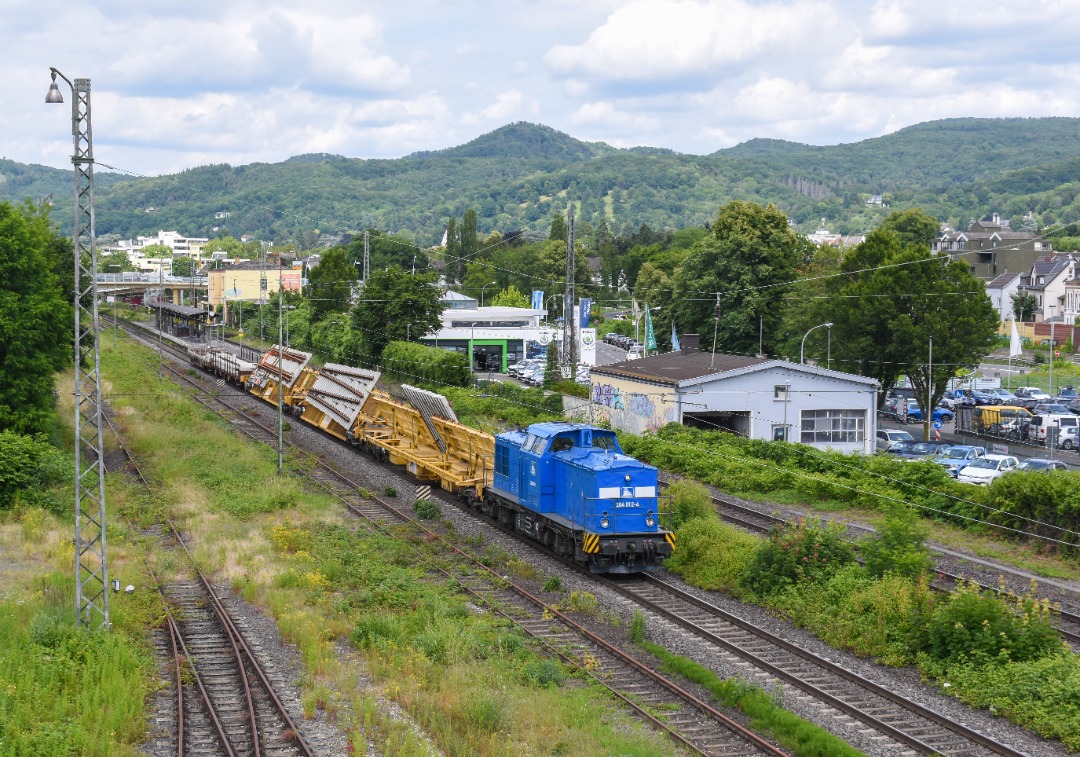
(608, 396)
(642, 406)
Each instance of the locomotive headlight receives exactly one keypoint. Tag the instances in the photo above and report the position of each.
(604, 522)
(627, 478)
(650, 521)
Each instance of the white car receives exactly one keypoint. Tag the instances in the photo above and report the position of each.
(984, 470)
(887, 437)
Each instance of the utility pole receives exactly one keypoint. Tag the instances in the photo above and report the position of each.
(367, 256)
(569, 330)
(91, 557)
(281, 374)
(716, 328)
(262, 293)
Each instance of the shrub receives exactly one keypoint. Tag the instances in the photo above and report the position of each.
(898, 546)
(28, 466)
(881, 618)
(689, 500)
(712, 555)
(413, 362)
(543, 674)
(806, 550)
(973, 626)
(637, 627)
(553, 583)
(390, 491)
(427, 509)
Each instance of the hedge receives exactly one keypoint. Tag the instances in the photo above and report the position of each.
(415, 363)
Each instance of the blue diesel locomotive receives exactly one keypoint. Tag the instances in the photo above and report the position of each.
(569, 486)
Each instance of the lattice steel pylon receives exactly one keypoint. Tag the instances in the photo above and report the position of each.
(91, 561)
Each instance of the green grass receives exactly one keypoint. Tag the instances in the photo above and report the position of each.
(767, 716)
(472, 683)
(65, 690)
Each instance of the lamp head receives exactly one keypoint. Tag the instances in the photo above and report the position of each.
(54, 95)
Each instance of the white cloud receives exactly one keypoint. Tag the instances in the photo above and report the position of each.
(245, 81)
(650, 40)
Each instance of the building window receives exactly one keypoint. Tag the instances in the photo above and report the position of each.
(781, 392)
(779, 433)
(833, 426)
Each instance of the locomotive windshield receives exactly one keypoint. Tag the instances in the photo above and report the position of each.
(605, 441)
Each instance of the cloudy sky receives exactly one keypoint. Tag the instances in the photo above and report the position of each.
(177, 85)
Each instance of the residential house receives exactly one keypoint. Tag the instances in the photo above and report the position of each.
(991, 248)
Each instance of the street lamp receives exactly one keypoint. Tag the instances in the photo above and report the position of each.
(485, 286)
(803, 345)
(91, 561)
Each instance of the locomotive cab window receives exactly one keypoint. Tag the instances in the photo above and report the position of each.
(605, 441)
(562, 443)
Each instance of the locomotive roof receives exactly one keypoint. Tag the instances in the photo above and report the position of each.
(551, 428)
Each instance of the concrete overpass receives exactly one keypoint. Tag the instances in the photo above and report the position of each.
(172, 288)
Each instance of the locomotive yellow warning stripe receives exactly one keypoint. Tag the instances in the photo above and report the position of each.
(669, 537)
(591, 544)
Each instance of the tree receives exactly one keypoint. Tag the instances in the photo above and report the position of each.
(183, 266)
(114, 262)
(913, 226)
(511, 297)
(455, 267)
(751, 251)
(35, 318)
(330, 284)
(1023, 305)
(895, 300)
(157, 251)
(559, 229)
(470, 243)
(396, 305)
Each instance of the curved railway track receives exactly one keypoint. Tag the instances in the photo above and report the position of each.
(225, 702)
(750, 519)
(690, 721)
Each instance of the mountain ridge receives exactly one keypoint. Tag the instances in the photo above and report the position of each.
(516, 176)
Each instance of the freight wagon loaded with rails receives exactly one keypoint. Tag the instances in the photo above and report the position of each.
(567, 485)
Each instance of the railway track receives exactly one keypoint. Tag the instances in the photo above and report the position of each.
(911, 727)
(734, 512)
(225, 702)
(688, 720)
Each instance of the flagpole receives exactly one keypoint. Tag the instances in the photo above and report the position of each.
(1008, 376)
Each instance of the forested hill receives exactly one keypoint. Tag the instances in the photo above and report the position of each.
(518, 175)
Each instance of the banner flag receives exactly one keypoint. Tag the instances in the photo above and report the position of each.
(586, 310)
(537, 300)
(675, 347)
(650, 336)
(1016, 346)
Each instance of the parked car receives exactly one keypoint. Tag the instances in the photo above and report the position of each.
(609, 338)
(1069, 438)
(1006, 397)
(1042, 423)
(900, 449)
(1067, 395)
(987, 469)
(1039, 465)
(1002, 420)
(1050, 408)
(973, 397)
(1032, 393)
(914, 413)
(887, 437)
(958, 457)
(924, 450)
